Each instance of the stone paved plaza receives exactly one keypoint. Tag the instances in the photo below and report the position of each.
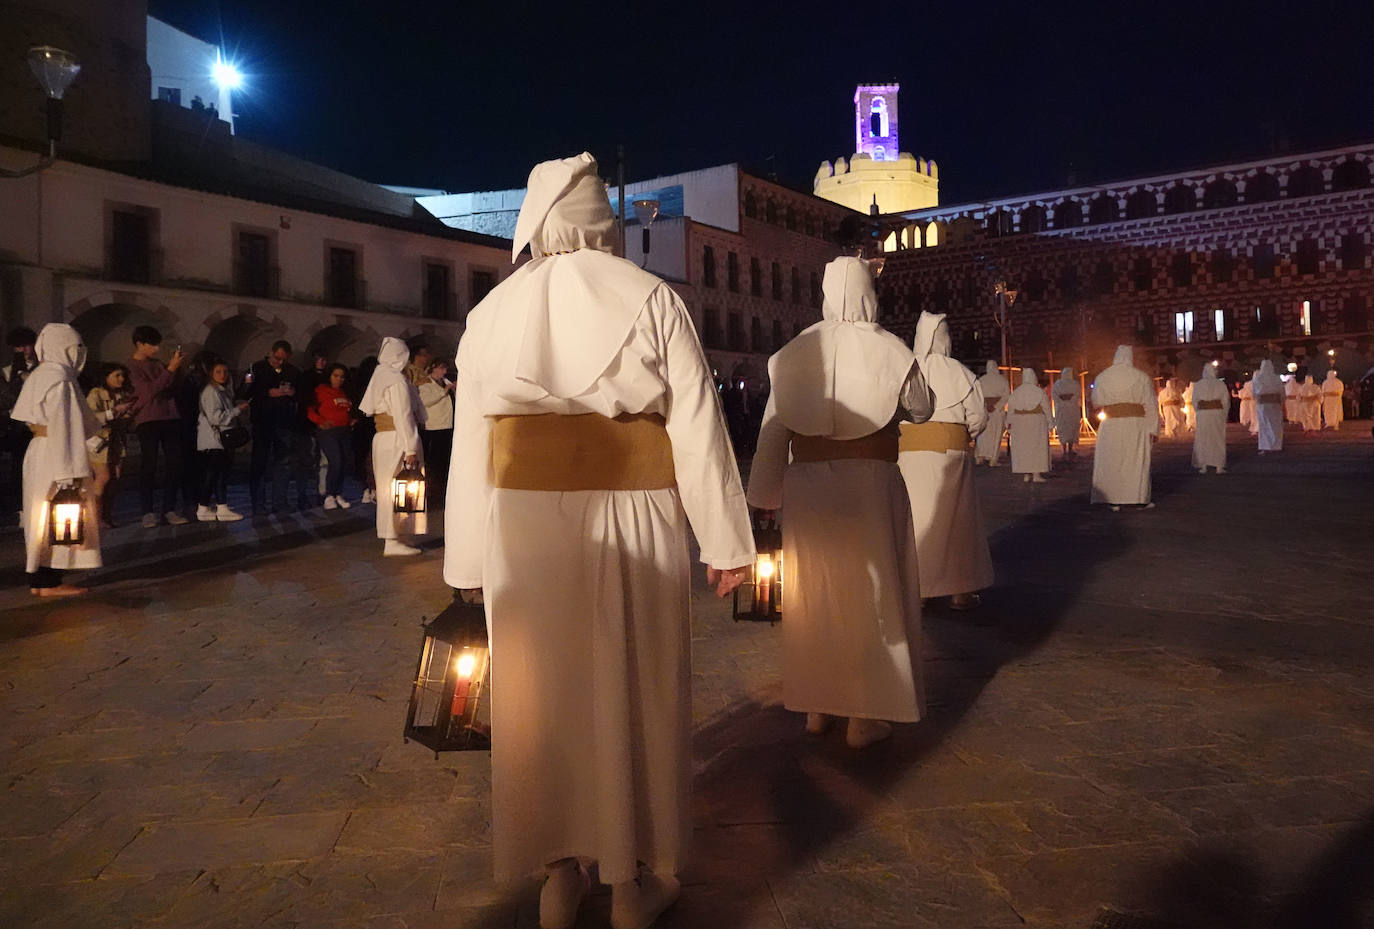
(1165, 713)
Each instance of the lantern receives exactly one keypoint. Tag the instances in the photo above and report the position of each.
(67, 512)
(760, 598)
(408, 491)
(447, 711)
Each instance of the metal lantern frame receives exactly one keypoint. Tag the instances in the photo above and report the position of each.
(759, 599)
(448, 700)
(68, 511)
(408, 491)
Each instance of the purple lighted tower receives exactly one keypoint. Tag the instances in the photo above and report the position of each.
(875, 121)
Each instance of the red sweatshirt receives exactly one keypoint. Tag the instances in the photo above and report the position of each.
(331, 408)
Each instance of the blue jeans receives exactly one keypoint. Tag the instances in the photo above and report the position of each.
(274, 446)
(337, 446)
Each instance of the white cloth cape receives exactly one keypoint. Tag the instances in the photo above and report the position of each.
(995, 386)
(951, 537)
(1209, 441)
(1068, 407)
(1030, 432)
(1121, 462)
(391, 392)
(1269, 416)
(51, 398)
(588, 593)
(1333, 411)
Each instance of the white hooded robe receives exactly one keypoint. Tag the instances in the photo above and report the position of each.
(51, 398)
(951, 538)
(1247, 407)
(1292, 400)
(1209, 442)
(588, 592)
(1121, 462)
(1170, 409)
(1029, 418)
(996, 389)
(1310, 405)
(1332, 409)
(1269, 407)
(1068, 407)
(851, 630)
(391, 392)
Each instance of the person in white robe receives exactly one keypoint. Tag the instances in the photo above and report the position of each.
(851, 641)
(1189, 413)
(1030, 419)
(52, 405)
(1269, 405)
(1121, 462)
(996, 389)
(1213, 402)
(393, 402)
(587, 437)
(936, 460)
(1333, 410)
(1292, 399)
(1171, 416)
(1246, 395)
(1310, 405)
(1068, 410)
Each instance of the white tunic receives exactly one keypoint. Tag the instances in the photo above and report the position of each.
(1332, 410)
(1269, 415)
(390, 392)
(1170, 410)
(996, 389)
(1030, 420)
(1292, 400)
(1247, 407)
(1068, 409)
(1209, 442)
(1310, 405)
(1121, 462)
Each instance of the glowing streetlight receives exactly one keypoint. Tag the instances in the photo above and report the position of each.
(226, 75)
(55, 70)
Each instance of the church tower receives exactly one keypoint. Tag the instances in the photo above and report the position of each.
(878, 171)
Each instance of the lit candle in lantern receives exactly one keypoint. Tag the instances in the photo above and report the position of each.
(67, 517)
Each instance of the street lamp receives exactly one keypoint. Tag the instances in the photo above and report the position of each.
(55, 70)
(646, 211)
(1005, 299)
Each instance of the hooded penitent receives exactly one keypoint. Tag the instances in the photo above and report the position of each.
(51, 402)
(1068, 397)
(950, 382)
(1270, 400)
(1121, 463)
(996, 389)
(1212, 401)
(842, 377)
(391, 394)
(1310, 397)
(1029, 420)
(1333, 411)
(585, 573)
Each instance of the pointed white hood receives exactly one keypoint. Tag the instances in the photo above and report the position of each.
(948, 380)
(994, 382)
(391, 365)
(51, 398)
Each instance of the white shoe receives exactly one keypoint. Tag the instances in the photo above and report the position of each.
(636, 904)
(1201, 470)
(369, 496)
(342, 503)
(226, 515)
(174, 518)
(205, 514)
(1221, 470)
(864, 732)
(330, 503)
(152, 520)
(397, 547)
(817, 723)
(1026, 479)
(564, 889)
(1038, 479)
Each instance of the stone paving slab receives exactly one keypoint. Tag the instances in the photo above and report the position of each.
(1166, 712)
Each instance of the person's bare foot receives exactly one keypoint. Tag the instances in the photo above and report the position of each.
(817, 723)
(61, 590)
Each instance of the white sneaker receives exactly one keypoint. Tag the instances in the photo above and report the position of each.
(397, 547)
(342, 503)
(152, 520)
(205, 514)
(174, 518)
(330, 503)
(636, 904)
(564, 889)
(226, 515)
(369, 496)
(864, 732)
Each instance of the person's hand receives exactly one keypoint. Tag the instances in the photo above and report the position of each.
(178, 357)
(410, 461)
(243, 406)
(725, 581)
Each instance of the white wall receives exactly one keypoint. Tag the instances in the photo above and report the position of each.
(182, 61)
(667, 246)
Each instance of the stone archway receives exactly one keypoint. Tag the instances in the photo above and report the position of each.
(342, 342)
(106, 321)
(241, 335)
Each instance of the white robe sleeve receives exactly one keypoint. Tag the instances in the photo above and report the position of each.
(707, 475)
(400, 400)
(770, 460)
(975, 411)
(469, 487)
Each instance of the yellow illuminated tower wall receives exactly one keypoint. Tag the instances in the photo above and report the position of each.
(878, 171)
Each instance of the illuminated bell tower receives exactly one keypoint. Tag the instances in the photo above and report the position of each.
(875, 121)
(878, 171)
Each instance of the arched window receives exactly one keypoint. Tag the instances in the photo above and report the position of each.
(770, 212)
(879, 153)
(877, 118)
(751, 206)
(1141, 204)
(1068, 214)
(1262, 188)
(1306, 182)
(1033, 218)
(934, 236)
(1180, 198)
(1103, 209)
(792, 218)
(1349, 175)
(1219, 193)
(999, 223)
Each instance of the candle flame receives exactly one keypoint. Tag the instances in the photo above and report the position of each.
(465, 665)
(765, 567)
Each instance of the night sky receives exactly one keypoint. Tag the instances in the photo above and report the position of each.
(1007, 98)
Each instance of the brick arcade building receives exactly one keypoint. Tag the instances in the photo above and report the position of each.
(1268, 258)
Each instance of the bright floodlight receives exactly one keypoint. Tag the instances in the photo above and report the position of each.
(54, 68)
(226, 75)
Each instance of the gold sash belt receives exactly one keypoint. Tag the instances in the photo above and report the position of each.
(582, 452)
(38, 430)
(1027, 412)
(876, 446)
(384, 422)
(1124, 410)
(1209, 404)
(1269, 398)
(934, 437)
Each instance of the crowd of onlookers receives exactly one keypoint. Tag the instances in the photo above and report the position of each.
(184, 418)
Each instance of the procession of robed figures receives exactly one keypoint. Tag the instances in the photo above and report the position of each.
(589, 441)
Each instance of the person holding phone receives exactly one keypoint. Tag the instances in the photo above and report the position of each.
(436, 393)
(273, 389)
(157, 424)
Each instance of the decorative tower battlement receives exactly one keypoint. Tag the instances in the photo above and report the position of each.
(878, 171)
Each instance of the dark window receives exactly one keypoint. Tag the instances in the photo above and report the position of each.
(732, 271)
(756, 342)
(777, 281)
(777, 334)
(1068, 282)
(1180, 199)
(1352, 251)
(875, 125)
(169, 95)
(253, 265)
(1308, 257)
(796, 285)
(751, 206)
(1145, 329)
(770, 212)
(708, 266)
(1262, 188)
(1181, 269)
(1068, 214)
(941, 296)
(755, 277)
(1306, 182)
(438, 295)
(482, 284)
(792, 218)
(341, 287)
(1141, 204)
(913, 300)
(1142, 274)
(710, 319)
(1349, 175)
(1355, 314)
(1262, 260)
(1034, 289)
(1266, 322)
(815, 290)
(999, 223)
(1103, 209)
(130, 246)
(1104, 278)
(1223, 266)
(735, 332)
(809, 226)
(1033, 219)
(1219, 193)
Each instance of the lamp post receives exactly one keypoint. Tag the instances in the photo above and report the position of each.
(1005, 299)
(55, 70)
(646, 211)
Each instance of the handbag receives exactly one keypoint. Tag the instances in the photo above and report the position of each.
(232, 437)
